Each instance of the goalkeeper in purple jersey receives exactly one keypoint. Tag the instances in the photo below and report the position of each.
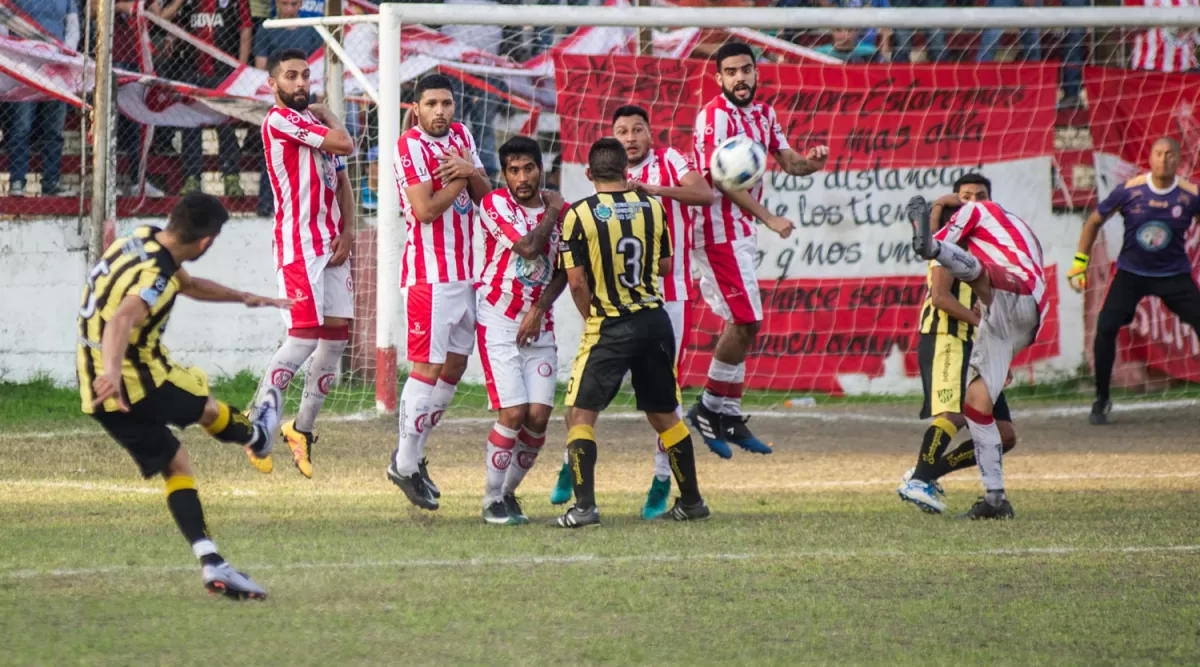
(1158, 208)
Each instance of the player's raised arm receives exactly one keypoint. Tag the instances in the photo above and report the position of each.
(530, 245)
(288, 77)
(132, 312)
(789, 160)
(1114, 202)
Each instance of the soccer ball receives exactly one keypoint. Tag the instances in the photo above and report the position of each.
(738, 163)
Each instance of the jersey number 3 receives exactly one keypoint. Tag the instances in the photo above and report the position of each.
(630, 248)
(89, 309)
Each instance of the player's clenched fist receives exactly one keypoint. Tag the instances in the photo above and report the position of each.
(780, 225)
(817, 155)
(1077, 274)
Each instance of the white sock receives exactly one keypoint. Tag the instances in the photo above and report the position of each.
(566, 457)
(285, 363)
(720, 377)
(733, 401)
(662, 462)
(960, 263)
(529, 445)
(988, 451)
(322, 371)
(414, 422)
(439, 400)
(500, 445)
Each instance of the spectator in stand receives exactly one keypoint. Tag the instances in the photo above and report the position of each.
(226, 25)
(711, 40)
(125, 56)
(935, 40)
(60, 18)
(878, 42)
(1029, 40)
(266, 42)
(847, 46)
(1167, 49)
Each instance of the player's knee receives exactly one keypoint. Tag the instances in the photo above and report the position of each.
(181, 464)
(212, 411)
(538, 418)
(513, 417)
(748, 330)
(954, 418)
(455, 366)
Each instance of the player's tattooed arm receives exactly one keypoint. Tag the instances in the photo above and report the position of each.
(796, 164)
(202, 289)
(943, 300)
(531, 245)
(531, 324)
(581, 294)
(132, 312)
(746, 201)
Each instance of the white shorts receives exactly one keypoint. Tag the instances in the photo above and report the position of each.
(1008, 326)
(319, 291)
(515, 375)
(677, 311)
(728, 282)
(440, 319)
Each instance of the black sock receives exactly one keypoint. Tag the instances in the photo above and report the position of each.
(582, 454)
(963, 456)
(935, 441)
(678, 443)
(184, 502)
(234, 427)
(1104, 350)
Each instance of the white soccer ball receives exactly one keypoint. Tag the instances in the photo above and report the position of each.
(738, 163)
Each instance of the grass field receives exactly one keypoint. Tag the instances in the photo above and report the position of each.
(809, 558)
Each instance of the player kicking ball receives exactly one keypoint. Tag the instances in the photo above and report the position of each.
(1158, 208)
(1000, 259)
(129, 384)
(948, 323)
(726, 243)
(666, 174)
(516, 340)
(311, 242)
(615, 246)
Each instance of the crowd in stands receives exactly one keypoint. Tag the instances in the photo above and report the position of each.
(236, 27)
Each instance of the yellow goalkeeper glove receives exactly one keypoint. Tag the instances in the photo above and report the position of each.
(1077, 275)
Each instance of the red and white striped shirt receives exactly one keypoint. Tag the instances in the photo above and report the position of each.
(667, 167)
(436, 251)
(304, 180)
(724, 221)
(511, 283)
(1166, 49)
(1001, 240)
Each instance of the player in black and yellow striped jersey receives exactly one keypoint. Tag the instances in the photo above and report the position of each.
(131, 386)
(615, 246)
(948, 320)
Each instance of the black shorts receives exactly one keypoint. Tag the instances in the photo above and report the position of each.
(944, 362)
(143, 430)
(642, 344)
(1179, 294)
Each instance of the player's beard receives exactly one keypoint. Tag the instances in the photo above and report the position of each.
(438, 132)
(529, 200)
(732, 97)
(297, 101)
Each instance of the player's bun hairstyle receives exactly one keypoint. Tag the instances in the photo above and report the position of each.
(197, 216)
(281, 56)
(521, 146)
(973, 179)
(432, 82)
(630, 110)
(607, 161)
(731, 49)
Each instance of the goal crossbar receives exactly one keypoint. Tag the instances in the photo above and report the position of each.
(823, 18)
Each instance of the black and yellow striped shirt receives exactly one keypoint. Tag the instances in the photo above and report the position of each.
(132, 266)
(617, 238)
(937, 321)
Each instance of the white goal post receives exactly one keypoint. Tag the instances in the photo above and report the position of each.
(390, 230)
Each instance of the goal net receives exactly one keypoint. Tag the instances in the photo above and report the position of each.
(907, 102)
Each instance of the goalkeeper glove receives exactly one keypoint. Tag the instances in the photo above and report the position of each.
(1077, 275)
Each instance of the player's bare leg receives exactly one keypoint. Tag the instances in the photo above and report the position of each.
(426, 394)
(718, 413)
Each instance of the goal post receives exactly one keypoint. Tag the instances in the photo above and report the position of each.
(844, 292)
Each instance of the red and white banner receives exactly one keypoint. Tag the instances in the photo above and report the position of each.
(841, 297)
(1128, 111)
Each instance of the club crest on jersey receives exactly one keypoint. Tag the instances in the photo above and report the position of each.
(1154, 236)
(1177, 211)
(532, 272)
(602, 212)
(462, 203)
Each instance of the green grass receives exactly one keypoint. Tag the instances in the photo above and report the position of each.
(40, 401)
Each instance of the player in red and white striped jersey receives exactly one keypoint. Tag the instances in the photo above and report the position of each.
(515, 328)
(665, 173)
(1166, 49)
(726, 244)
(441, 179)
(997, 254)
(312, 240)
